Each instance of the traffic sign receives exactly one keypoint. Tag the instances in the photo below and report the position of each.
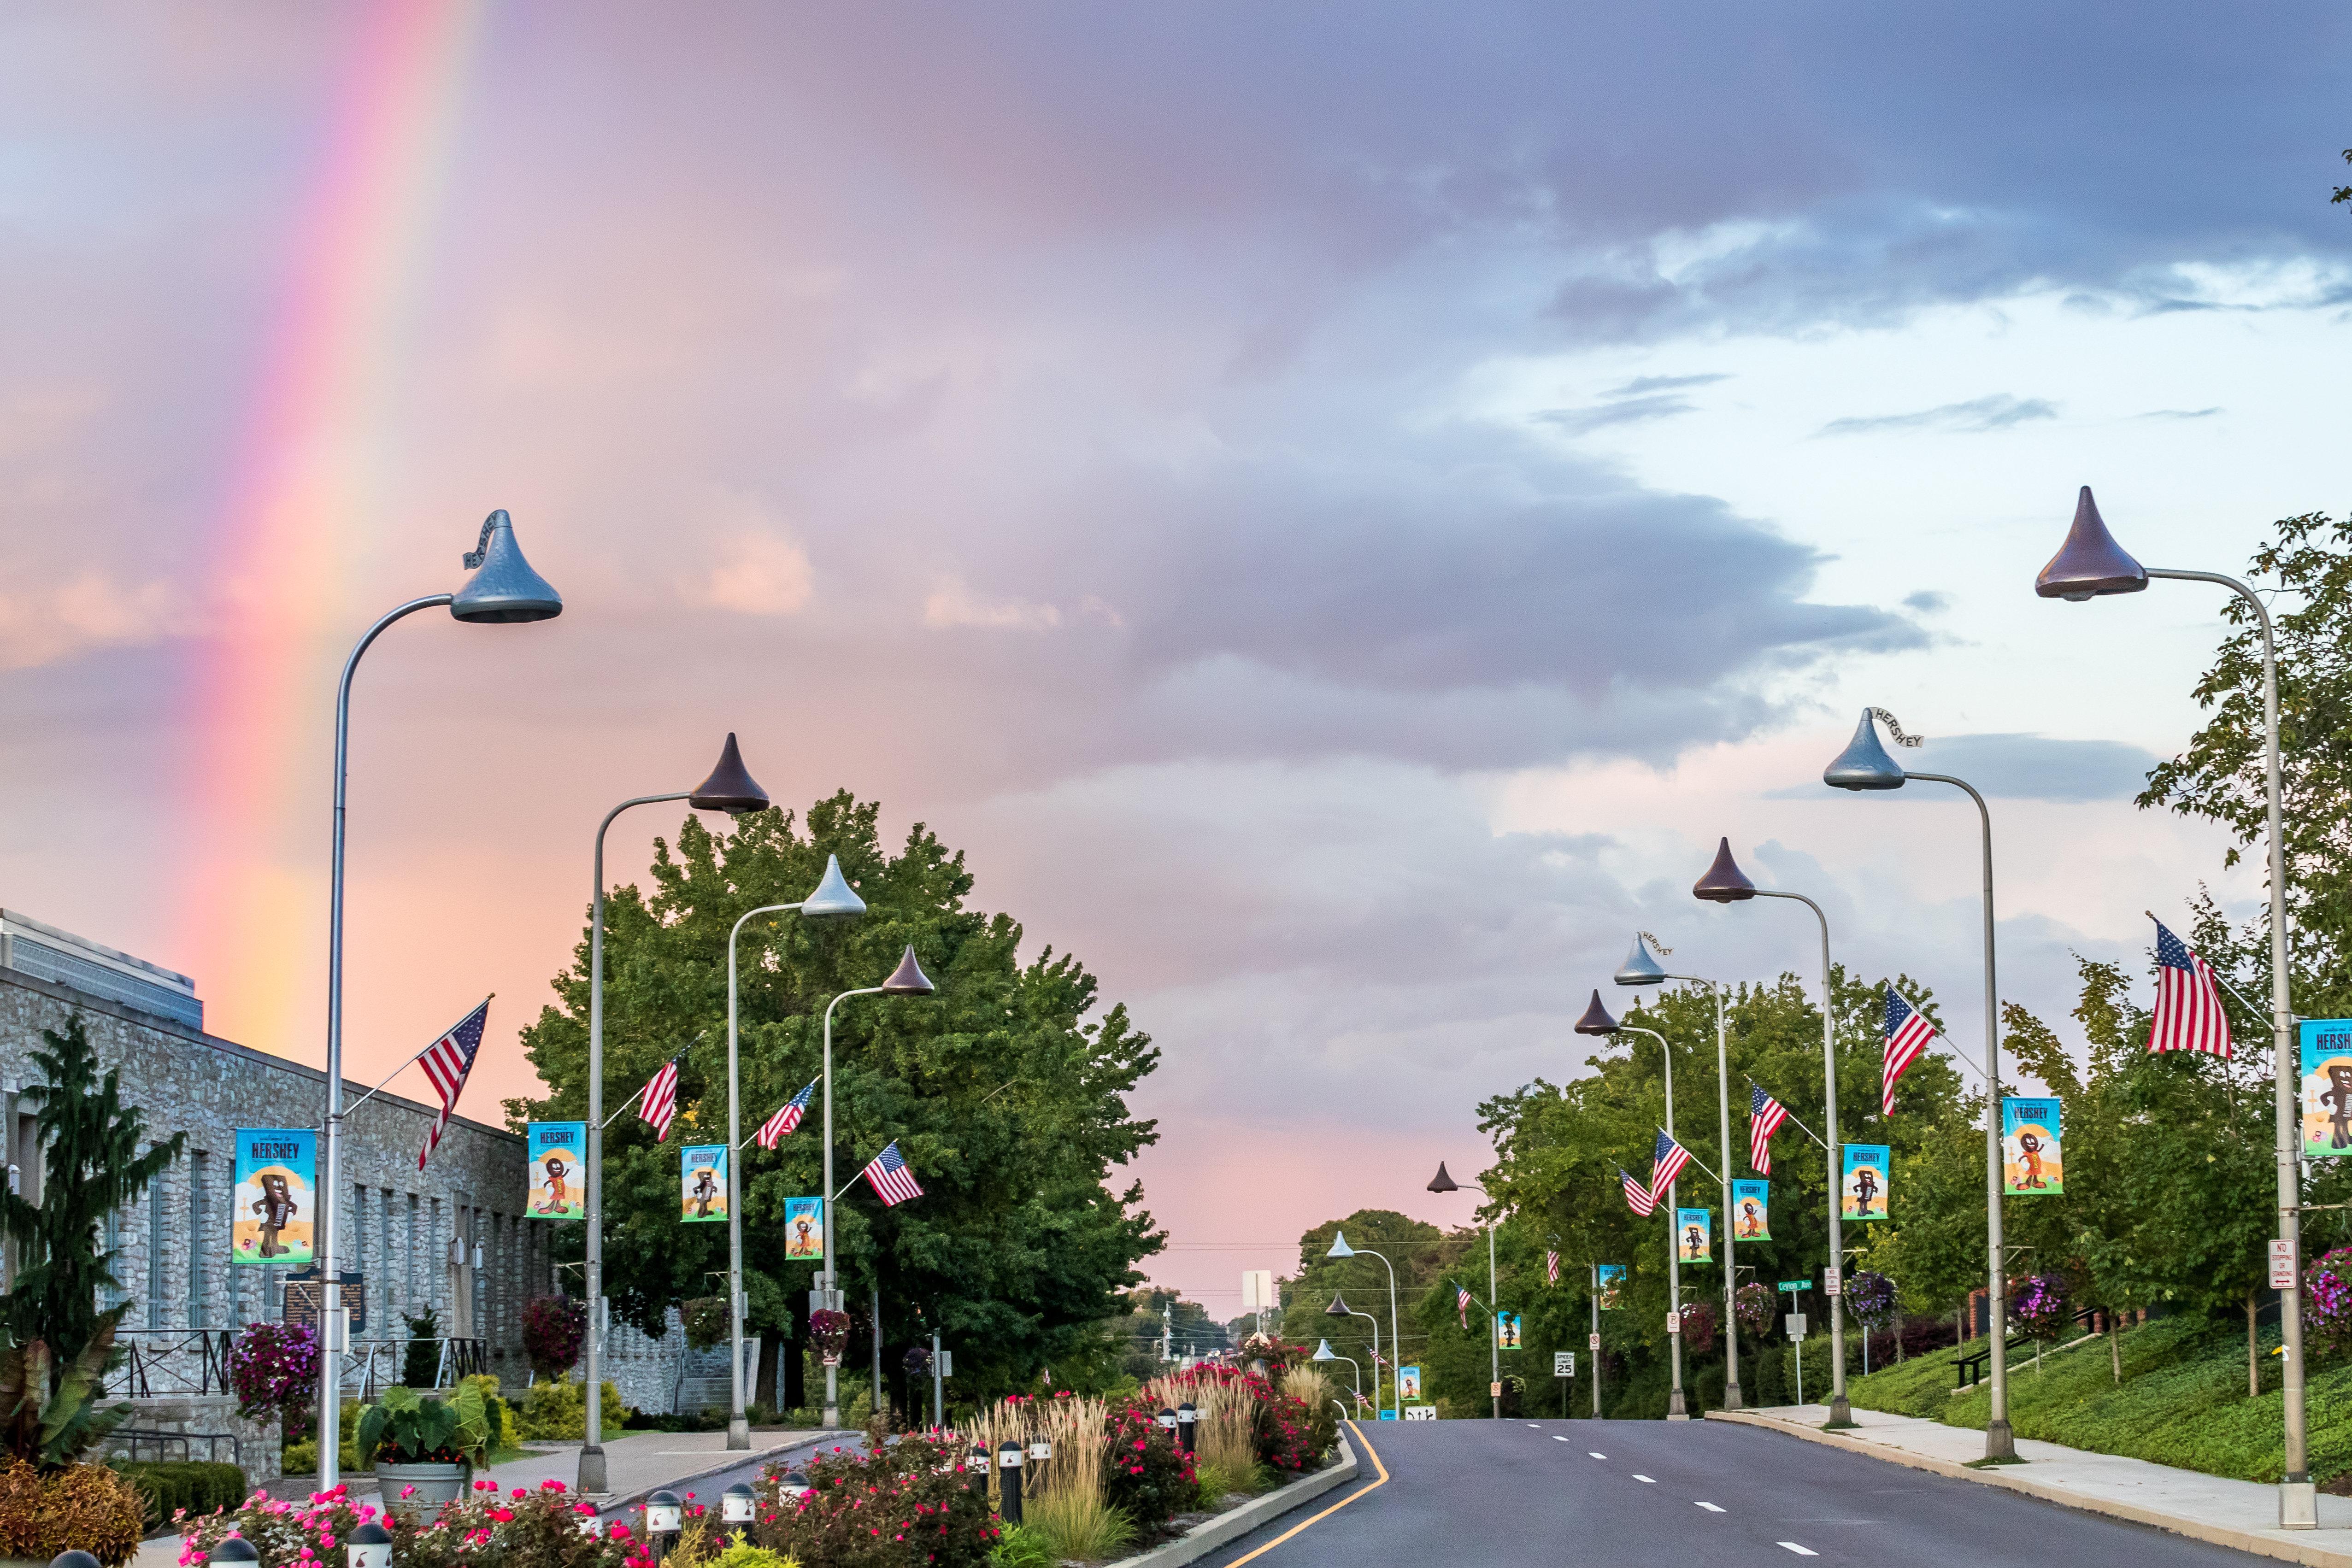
(1420, 1412)
(1563, 1364)
(1830, 1282)
(1592, 1342)
(1674, 1322)
(1796, 1325)
(1796, 1284)
(1494, 1391)
(2282, 1265)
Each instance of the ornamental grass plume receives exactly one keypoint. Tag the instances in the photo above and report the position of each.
(1225, 1430)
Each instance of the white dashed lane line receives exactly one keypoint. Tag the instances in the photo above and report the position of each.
(1596, 1454)
(1645, 1480)
(1800, 1550)
(1558, 1438)
(1710, 1508)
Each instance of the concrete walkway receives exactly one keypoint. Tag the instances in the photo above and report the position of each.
(2242, 1514)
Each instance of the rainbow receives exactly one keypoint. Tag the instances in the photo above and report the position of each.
(295, 515)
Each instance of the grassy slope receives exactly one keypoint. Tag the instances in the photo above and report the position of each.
(2183, 1401)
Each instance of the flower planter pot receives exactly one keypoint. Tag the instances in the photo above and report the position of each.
(435, 1484)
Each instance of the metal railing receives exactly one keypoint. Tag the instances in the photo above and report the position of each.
(130, 1438)
(165, 1362)
(1972, 1367)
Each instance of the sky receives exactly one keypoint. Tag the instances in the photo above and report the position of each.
(1335, 508)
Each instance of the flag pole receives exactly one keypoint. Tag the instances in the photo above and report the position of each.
(2219, 981)
(1693, 1158)
(1791, 1115)
(1949, 1043)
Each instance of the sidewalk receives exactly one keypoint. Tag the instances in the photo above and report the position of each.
(2242, 1514)
(635, 1463)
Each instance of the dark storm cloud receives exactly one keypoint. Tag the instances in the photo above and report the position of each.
(1975, 417)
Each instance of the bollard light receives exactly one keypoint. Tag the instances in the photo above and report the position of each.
(1167, 1420)
(1008, 1485)
(737, 1505)
(1185, 1417)
(369, 1546)
(796, 1483)
(665, 1515)
(234, 1549)
(1040, 1451)
(74, 1559)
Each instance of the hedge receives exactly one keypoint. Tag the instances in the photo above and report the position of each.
(172, 1484)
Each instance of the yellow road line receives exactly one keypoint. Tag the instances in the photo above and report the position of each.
(1327, 1512)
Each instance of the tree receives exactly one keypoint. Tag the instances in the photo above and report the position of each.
(91, 1167)
(1007, 1101)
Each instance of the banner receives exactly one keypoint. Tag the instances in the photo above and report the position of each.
(2326, 1087)
(805, 1230)
(2029, 1162)
(1863, 1193)
(276, 1191)
(1751, 1210)
(1613, 1285)
(1506, 1329)
(1407, 1384)
(559, 1165)
(1695, 1235)
(702, 1183)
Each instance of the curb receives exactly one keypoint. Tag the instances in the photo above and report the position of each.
(736, 1459)
(2281, 1546)
(1232, 1525)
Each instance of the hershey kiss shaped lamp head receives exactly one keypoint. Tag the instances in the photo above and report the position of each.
(1723, 883)
(1338, 1307)
(1442, 1182)
(908, 979)
(2090, 563)
(1323, 1350)
(1864, 764)
(833, 899)
(503, 588)
(1596, 1019)
(1640, 967)
(731, 787)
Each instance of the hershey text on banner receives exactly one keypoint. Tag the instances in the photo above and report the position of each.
(1751, 1210)
(559, 1163)
(1863, 1193)
(2031, 1163)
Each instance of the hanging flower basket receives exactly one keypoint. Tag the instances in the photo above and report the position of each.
(829, 1331)
(2328, 1300)
(2041, 1308)
(1757, 1305)
(1870, 1295)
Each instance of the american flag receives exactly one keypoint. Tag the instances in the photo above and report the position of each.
(1551, 1267)
(1764, 1115)
(785, 1119)
(1666, 1162)
(446, 1062)
(2189, 1015)
(1637, 1197)
(659, 1106)
(1907, 1034)
(892, 1182)
(1462, 1306)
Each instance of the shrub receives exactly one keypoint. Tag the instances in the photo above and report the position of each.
(554, 1330)
(1698, 1327)
(1022, 1547)
(741, 1553)
(1143, 1474)
(497, 1416)
(1077, 1526)
(1307, 1383)
(559, 1411)
(913, 1501)
(85, 1505)
(175, 1486)
(300, 1457)
(519, 1529)
(420, 1362)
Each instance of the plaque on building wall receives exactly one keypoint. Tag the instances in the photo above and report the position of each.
(302, 1298)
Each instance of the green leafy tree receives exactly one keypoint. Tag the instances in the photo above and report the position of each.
(91, 1167)
(1006, 1099)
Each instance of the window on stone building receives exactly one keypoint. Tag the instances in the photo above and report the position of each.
(199, 1236)
(155, 1253)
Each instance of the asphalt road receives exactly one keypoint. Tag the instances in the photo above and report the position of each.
(1632, 1493)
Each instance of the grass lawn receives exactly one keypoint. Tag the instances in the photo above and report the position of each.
(2183, 1400)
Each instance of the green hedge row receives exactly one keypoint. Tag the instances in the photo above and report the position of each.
(193, 1485)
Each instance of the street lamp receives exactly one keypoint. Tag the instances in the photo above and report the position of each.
(906, 981)
(1865, 765)
(1441, 1182)
(1340, 1308)
(2089, 565)
(1641, 968)
(503, 589)
(1323, 1352)
(1340, 1248)
(730, 788)
(1725, 882)
(833, 900)
(1596, 1021)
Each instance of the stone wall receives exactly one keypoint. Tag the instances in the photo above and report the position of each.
(172, 1245)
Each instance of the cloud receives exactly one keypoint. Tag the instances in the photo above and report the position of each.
(1633, 410)
(1928, 602)
(953, 605)
(2010, 766)
(1998, 411)
(2179, 412)
(89, 611)
(761, 575)
(1643, 385)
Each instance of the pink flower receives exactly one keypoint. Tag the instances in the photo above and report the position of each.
(408, 1491)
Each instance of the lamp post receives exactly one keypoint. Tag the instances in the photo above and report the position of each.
(1340, 1248)
(503, 591)
(1323, 1352)
(1592, 1346)
(1725, 882)
(2090, 565)
(1865, 765)
(1340, 1308)
(833, 900)
(730, 788)
(1596, 1021)
(1641, 969)
(1441, 1182)
(906, 981)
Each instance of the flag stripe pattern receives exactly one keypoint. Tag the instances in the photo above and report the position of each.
(1462, 1305)
(1666, 1164)
(1764, 1115)
(1637, 1197)
(785, 1119)
(659, 1106)
(1551, 1268)
(446, 1062)
(2189, 1013)
(1907, 1034)
(892, 1182)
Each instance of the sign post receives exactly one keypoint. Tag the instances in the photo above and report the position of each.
(1797, 1338)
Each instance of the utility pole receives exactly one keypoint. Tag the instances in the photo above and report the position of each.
(1167, 1325)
